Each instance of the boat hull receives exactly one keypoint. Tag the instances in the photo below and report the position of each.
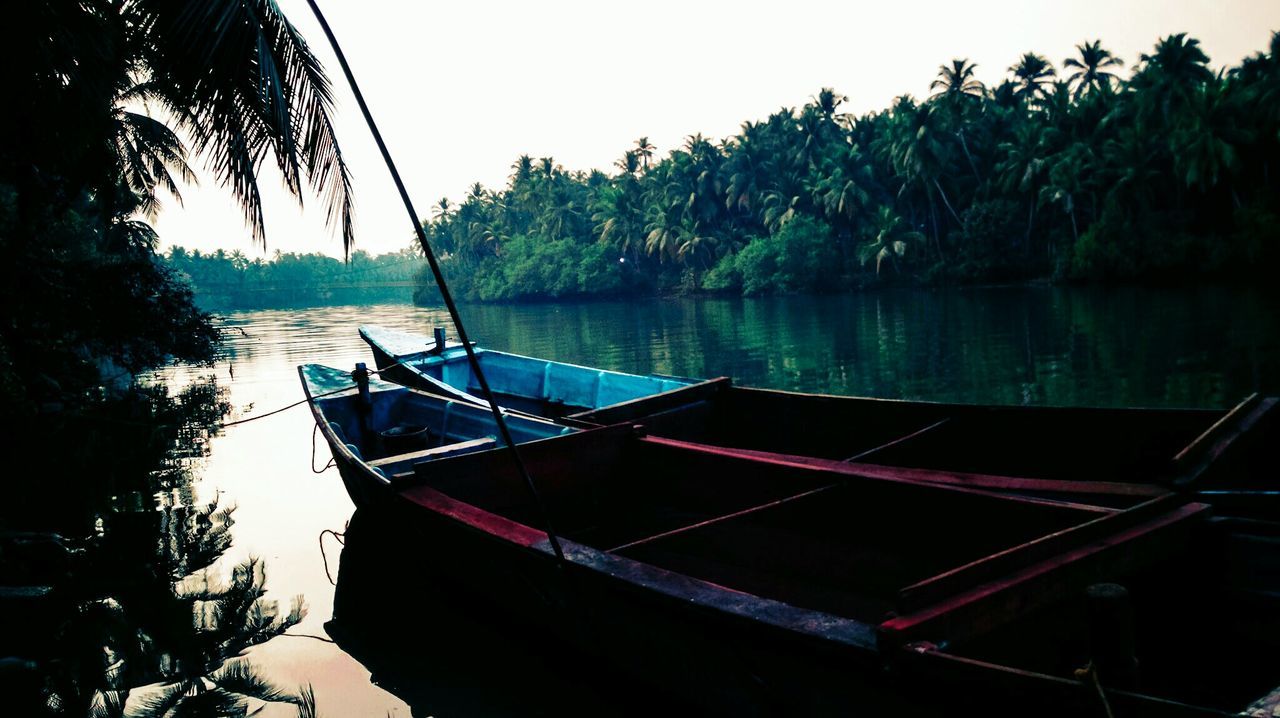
(585, 613)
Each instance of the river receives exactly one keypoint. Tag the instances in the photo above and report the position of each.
(1204, 348)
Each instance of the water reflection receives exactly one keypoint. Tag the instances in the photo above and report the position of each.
(445, 655)
(110, 597)
(128, 502)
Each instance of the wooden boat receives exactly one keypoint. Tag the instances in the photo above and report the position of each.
(403, 426)
(535, 386)
(818, 588)
(1224, 457)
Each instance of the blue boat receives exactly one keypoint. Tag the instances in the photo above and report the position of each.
(533, 386)
(392, 428)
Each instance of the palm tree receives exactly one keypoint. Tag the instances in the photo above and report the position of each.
(957, 80)
(1033, 73)
(1169, 76)
(250, 90)
(441, 209)
(1091, 71)
(1208, 137)
(630, 162)
(888, 238)
(1024, 165)
(646, 150)
(521, 170)
(827, 101)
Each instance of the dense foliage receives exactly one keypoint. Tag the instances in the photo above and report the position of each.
(223, 280)
(101, 94)
(1080, 175)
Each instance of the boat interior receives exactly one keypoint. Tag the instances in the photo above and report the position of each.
(1205, 624)
(1095, 444)
(406, 426)
(536, 386)
(542, 387)
(830, 541)
(988, 576)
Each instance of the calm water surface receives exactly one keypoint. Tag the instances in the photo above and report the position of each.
(1050, 346)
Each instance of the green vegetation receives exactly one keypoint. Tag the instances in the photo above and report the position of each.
(142, 605)
(223, 281)
(1170, 174)
(83, 156)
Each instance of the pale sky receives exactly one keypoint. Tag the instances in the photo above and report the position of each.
(461, 88)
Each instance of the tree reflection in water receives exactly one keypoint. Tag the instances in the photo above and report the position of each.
(111, 595)
(444, 652)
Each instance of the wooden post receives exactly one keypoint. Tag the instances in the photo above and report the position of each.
(439, 348)
(361, 378)
(1111, 639)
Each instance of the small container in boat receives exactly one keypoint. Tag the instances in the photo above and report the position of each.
(404, 438)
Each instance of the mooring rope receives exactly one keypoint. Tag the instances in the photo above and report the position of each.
(315, 430)
(1090, 673)
(340, 536)
(300, 402)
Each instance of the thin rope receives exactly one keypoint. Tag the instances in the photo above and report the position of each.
(442, 286)
(324, 557)
(307, 635)
(1090, 672)
(315, 430)
(304, 401)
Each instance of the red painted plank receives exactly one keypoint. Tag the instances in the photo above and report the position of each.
(1008, 596)
(974, 483)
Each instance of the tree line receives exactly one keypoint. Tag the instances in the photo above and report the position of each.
(225, 280)
(1067, 172)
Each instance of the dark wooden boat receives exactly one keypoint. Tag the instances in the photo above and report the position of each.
(1224, 457)
(826, 587)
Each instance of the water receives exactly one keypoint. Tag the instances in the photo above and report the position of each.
(1203, 348)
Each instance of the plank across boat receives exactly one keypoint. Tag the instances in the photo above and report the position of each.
(536, 386)
(672, 546)
(1223, 456)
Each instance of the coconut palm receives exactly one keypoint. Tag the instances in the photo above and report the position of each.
(629, 163)
(251, 90)
(827, 101)
(889, 238)
(1033, 73)
(1091, 69)
(1169, 76)
(957, 80)
(645, 149)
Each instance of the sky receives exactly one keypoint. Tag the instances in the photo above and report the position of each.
(460, 88)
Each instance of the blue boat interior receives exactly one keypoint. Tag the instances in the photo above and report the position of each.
(536, 386)
(403, 427)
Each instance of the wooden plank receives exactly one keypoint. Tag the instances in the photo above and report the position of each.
(983, 482)
(1009, 596)
(1197, 457)
(433, 453)
(914, 597)
(647, 405)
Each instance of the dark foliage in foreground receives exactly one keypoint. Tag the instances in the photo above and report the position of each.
(101, 94)
(1170, 174)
